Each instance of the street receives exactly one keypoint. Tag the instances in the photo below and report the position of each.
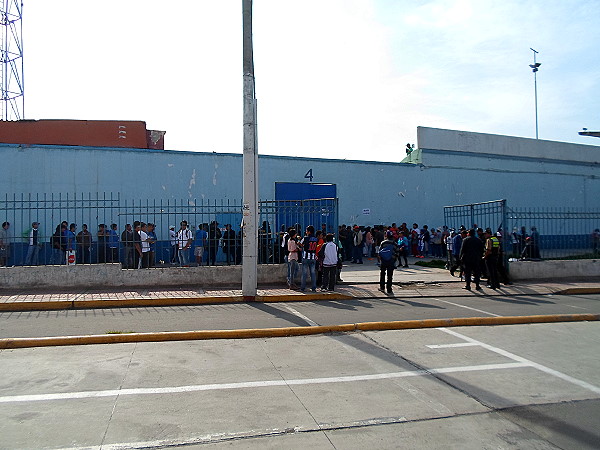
(522, 386)
(530, 386)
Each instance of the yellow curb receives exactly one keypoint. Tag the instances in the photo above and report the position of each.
(474, 321)
(36, 305)
(11, 343)
(170, 336)
(580, 291)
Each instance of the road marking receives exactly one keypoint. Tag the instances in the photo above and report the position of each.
(461, 344)
(302, 316)
(467, 307)
(548, 370)
(252, 384)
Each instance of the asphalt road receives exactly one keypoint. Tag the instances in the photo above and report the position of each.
(262, 315)
(521, 386)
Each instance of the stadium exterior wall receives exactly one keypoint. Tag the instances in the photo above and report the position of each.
(456, 168)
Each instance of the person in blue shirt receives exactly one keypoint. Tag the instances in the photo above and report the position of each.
(113, 244)
(69, 237)
(403, 246)
(200, 242)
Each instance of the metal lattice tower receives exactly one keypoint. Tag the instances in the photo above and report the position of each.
(11, 59)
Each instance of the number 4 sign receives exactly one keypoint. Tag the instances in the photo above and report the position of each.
(309, 175)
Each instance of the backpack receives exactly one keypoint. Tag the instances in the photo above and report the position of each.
(386, 253)
(321, 254)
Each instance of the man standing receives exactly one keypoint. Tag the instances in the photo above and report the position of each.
(426, 236)
(492, 250)
(229, 244)
(34, 246)
(292, 257)
(4, 244)
(309, 258)
(69, 236)
(127, 239)
(137, 245)
(113, 244)
(84, 245)
(214, 236)
(184, 242)
(145, 244)
(200, 243)
(388, 253)
(102, 243)
(152, 238)
(379, 237)
(330, 260)
(403, 249)
(357, 245)
(174, 246)
(471, 252)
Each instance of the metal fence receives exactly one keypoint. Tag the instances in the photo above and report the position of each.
(533, 233)
(101, 213)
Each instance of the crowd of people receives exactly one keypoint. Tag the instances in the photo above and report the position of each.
(316, 254)
(322, 254)
(135, 247)
(475, 253)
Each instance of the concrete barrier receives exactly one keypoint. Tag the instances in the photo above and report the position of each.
(112, 275)
(550, 270)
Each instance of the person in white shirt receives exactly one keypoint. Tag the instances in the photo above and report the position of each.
(329, 263)
(145, 246)
(184, 242)
(293, 249)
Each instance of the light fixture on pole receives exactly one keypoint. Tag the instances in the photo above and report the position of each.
(586, 132)
(534, 67)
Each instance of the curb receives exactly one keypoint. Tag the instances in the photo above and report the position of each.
(55, 305)
(581, 291)
(12, 343)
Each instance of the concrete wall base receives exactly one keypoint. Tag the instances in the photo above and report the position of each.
(112, 275)
(550, 270)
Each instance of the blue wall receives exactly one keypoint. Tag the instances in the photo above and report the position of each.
(389, 192)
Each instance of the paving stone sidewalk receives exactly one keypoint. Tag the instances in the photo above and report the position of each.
(114, 297)
(360, 281)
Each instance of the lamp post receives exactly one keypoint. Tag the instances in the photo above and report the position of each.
(534, 67)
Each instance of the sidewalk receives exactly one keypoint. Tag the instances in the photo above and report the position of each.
(360, 281)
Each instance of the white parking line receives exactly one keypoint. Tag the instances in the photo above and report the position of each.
(252, 384)
(467, 307)
(461, 344)
(302, 316)
(556, 373)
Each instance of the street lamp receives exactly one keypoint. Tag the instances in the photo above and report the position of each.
(534, 67)
(585, 132)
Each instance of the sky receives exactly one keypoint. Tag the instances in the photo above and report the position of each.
(347, 79)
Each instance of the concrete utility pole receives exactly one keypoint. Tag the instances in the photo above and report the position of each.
(250, 206)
